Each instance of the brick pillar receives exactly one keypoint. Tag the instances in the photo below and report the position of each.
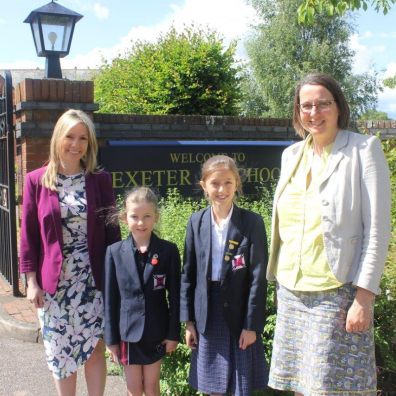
(38, 105)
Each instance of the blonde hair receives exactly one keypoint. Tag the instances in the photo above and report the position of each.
(139, 195)
(221, 162)
(65, 123)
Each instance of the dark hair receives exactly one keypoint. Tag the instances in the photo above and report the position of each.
(333, 87)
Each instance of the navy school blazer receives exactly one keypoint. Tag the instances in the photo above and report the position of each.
(243, 283)
(134, 310)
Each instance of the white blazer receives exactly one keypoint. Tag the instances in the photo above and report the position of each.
(355, 195)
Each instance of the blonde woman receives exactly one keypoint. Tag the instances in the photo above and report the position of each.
(63, 242)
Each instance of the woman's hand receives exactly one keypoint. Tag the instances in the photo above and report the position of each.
(247, 337)
(360, 314)
(191, 335)
(170, 345)
(114, 353)
(34, 293)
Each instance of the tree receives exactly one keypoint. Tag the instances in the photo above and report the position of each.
(374, 115)
(181, 73)
(390, 82)
(282, 51)
(308, 8)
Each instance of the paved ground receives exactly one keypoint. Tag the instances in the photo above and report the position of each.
(23, 370)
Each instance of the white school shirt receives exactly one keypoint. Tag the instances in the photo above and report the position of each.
(219, 235)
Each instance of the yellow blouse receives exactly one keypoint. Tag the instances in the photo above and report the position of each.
(302, 262)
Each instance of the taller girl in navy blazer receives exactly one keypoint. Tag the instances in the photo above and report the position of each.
(141, 294)
(223, 288)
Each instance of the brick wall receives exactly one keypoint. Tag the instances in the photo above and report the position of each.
(386, 129)
(38, 105)
(40, 102)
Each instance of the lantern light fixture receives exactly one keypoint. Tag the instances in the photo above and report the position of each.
(52, 29)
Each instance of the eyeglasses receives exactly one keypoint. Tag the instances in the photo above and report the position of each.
(321, 105)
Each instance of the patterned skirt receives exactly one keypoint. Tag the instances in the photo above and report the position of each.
(312, 352)
(72, 318)
(218, 365)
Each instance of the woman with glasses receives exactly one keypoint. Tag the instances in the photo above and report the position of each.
(330, 233)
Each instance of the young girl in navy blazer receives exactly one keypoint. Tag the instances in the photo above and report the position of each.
(223, 287)
(141, 296)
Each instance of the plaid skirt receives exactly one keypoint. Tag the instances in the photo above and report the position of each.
(312, 352)
(218, 365)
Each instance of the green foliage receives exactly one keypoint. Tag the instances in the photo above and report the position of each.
(175, 211)
(373, 114)
(308, 9)
(385, 306)
(182, 73)
(390, 82)
(282, 51)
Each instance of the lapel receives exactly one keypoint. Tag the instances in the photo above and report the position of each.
(91, 208)
(206, 238)
(154, 249)
(234, 234)
(336, 155)
(56, 214)
(290, 169)
(129, 264)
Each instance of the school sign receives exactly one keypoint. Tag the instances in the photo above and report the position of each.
(177, 164)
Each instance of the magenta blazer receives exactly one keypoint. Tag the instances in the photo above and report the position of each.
(41, 229)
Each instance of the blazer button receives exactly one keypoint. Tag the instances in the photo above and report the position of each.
(225, 305)
(325, 203)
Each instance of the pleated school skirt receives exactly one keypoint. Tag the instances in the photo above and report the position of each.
(218, 365)
(312, 352)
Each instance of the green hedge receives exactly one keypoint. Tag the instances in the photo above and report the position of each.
(175, 212)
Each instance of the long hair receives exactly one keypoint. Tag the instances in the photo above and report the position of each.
(221, 162)
(67, 121)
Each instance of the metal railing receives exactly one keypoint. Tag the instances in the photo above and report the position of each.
(8, 243)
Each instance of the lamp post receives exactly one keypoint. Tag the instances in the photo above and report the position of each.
(52, 29)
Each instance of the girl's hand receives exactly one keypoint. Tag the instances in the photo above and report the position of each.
(247, 337)
(191, 335)
(170, 345)
(360, 314)
(34, 293)
(114, 353)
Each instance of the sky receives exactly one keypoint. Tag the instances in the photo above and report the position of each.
(109, 26)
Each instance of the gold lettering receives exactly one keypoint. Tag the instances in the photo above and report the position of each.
(238, 157)
(252, 175)
(146, 178)
(265, 174)
(275, 173)
(184, 158)
(175, 157)
(171, 177)
(117, 180)
(159, 174)
(132, 181)
(185, 177)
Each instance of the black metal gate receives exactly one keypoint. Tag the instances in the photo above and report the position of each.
(8, 247)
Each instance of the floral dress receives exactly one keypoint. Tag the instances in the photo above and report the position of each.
(72, 318)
